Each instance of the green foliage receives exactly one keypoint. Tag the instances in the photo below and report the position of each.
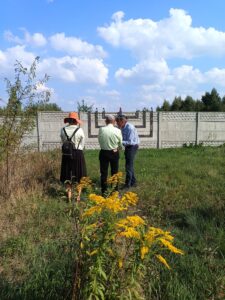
(209, 102)
(188, 104)
(40, 256)
(44, 106)
(177, 104)
(192, 145)
(165, 106)
(212, 101)
(18, 115)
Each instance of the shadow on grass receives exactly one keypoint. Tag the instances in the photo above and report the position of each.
(197, 216)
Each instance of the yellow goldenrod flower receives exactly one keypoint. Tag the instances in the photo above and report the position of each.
(115, 196)
(144, 251)
(154, 234)
(150, 237)
(157, 231)
(115, 179)
(85, 182)
(130, 233)
(171, 247)
(114, 205)
(129, 198)
(135, 221)
(162, 260)
(168, 236)
(91, 211)
(97, 199)
(131, 221)
(120, 263)
(81, 245)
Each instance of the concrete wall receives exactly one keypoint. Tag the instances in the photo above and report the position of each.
(156, 129)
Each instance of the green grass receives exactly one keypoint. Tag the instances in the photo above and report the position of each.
(181, 190)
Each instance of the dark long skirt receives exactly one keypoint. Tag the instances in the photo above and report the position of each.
(73, 169)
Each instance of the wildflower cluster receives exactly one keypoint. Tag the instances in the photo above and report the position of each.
(128, 227)
(115, 246)
(85, 182)
(156, 236)
(114, 203)
(115, 179)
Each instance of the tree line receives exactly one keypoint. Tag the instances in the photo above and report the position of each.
(35, 107)
(32, 109)
(210, 101)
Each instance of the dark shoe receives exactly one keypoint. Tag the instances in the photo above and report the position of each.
(134, 184)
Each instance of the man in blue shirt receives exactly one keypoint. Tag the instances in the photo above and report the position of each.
(131, 143)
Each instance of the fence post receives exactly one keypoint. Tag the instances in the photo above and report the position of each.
(197, 128)
(159, 119)
(38, 132)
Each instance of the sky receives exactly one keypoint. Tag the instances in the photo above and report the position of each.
(116, 53)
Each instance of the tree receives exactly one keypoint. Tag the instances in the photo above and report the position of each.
(188, 104)
(166, 105)
(199, 106)
(212, 101)
(17, 117)
(43, 106)
(223, 103)
(177, 104)
(84, 107)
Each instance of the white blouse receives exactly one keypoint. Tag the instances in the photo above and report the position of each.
(78, 138)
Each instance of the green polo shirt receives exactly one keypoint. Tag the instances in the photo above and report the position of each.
(110, 137)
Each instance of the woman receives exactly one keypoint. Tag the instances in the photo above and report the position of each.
(73, 169)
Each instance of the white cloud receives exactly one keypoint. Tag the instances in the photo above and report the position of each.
(9, 57)
(10, 37)
(74, 69)
(153, 44)
(187, 76)
(217, 76)
(69, 69)
(145, 71)
(171, 37)
(75, 46)
(35, 40)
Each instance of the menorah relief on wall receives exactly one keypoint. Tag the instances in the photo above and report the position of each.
(142, 120)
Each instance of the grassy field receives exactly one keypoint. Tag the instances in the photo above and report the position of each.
(180, 190)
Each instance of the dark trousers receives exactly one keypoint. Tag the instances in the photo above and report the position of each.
(107, 157)
(130, 152)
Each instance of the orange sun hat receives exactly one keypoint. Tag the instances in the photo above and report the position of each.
(74, 116)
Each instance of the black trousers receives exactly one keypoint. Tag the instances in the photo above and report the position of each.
(130, 152)
(107, 157)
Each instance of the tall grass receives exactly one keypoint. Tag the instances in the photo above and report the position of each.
(180, 190)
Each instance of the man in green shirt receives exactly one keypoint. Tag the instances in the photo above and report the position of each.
(110, 141)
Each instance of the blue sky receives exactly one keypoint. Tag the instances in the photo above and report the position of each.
(116, 53)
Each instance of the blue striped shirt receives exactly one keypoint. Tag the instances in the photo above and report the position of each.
(130, 135)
